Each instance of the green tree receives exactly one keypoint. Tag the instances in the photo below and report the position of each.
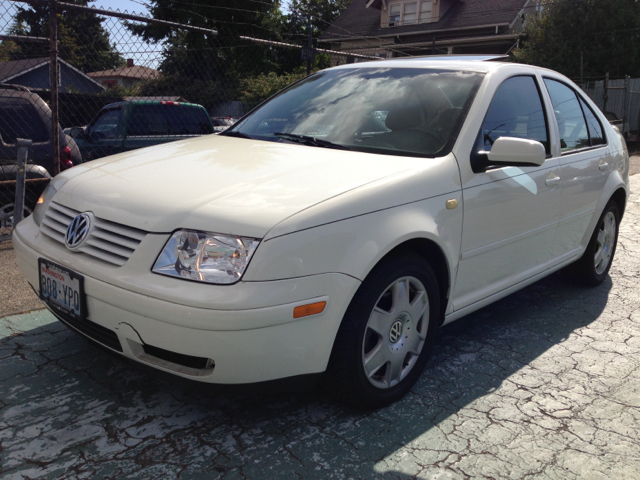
(199, 55)
(320, 13)
(605, 32)
(83, 41)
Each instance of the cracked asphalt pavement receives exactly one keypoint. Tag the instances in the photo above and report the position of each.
(543, 384)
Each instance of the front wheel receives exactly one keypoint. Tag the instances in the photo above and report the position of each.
(387, 333)
(594, 265)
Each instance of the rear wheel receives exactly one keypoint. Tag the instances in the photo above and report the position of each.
(387, 333)
(594, 265)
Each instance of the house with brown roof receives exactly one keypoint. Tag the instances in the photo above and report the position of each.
(124, 76)
(397, 28)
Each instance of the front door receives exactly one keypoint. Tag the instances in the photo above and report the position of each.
(510, 213)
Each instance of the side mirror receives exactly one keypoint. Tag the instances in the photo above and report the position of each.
(76, 132)
(514, 152)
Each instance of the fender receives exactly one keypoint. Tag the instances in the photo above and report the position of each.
(355, 245)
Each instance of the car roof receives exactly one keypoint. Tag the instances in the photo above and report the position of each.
(150, 102)
(478, 63)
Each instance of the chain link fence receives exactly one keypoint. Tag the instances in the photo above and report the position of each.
(83, 83)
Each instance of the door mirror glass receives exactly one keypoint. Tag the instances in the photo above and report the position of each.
(509, 151)
(76, 132)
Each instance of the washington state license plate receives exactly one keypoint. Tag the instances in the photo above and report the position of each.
(62, 289)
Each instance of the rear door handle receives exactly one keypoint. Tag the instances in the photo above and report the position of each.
(603, 166)
(552, 180)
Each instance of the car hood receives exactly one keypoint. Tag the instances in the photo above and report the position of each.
(219, 184)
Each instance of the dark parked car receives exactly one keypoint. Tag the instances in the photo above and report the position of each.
(23, 114)
(37, 180)
(129, 125)
(220, 124)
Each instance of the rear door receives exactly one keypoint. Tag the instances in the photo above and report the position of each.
(585, 162)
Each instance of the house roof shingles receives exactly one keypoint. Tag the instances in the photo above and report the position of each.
(359, 21)
(136, 72)
(15, 67)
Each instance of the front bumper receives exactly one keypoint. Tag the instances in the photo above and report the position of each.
(247, 330)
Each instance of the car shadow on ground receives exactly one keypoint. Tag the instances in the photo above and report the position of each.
(64, 404)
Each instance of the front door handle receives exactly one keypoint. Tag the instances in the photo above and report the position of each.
(552, 180)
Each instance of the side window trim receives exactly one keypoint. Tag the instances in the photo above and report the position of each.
(580, 97)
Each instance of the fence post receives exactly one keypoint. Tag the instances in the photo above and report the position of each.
(625, 107)
(53, 76)
(605, 95)
(21, 176)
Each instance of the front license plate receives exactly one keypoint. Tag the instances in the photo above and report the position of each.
(62, 289)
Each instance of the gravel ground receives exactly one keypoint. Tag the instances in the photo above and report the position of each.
(543, 384)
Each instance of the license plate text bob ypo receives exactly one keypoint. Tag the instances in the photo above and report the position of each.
(62, 289)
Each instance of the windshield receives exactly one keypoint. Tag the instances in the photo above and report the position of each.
(394, 111)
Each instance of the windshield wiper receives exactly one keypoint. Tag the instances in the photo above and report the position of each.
(234, 133)
(309, 140)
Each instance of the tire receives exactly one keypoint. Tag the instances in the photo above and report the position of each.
(386, 334)
(593, 267)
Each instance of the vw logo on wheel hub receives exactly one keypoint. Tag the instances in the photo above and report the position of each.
(396, 332)
(77, 231)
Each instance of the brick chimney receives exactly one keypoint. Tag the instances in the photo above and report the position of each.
(129, 62)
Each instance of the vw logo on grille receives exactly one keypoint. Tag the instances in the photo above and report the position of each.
(77, 230)
(396, 332)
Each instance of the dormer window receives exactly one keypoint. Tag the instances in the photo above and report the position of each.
(407, 13)
(425, 11)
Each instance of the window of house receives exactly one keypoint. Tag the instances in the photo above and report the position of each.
(410, 13)
(572, 125)
(110, 83)
(406, 13)
(394, 14)
(425, 11)
(515, 111)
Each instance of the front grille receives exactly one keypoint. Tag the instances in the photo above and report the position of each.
(109, 241)
(92, 330)
(177, 358)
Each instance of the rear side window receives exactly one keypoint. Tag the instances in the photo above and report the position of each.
(156, 119)
(596, 133)
(570, 114)
(19, 119)
(515, 111)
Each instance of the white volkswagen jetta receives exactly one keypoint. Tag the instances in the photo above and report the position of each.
(335, 227)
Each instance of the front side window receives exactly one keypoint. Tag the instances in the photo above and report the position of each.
(391, 111)
(106, 125)
(572, 125)
(515, 111)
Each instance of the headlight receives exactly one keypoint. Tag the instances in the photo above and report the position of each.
(43, 203)
(206, 257)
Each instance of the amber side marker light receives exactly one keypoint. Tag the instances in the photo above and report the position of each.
(311, 309)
